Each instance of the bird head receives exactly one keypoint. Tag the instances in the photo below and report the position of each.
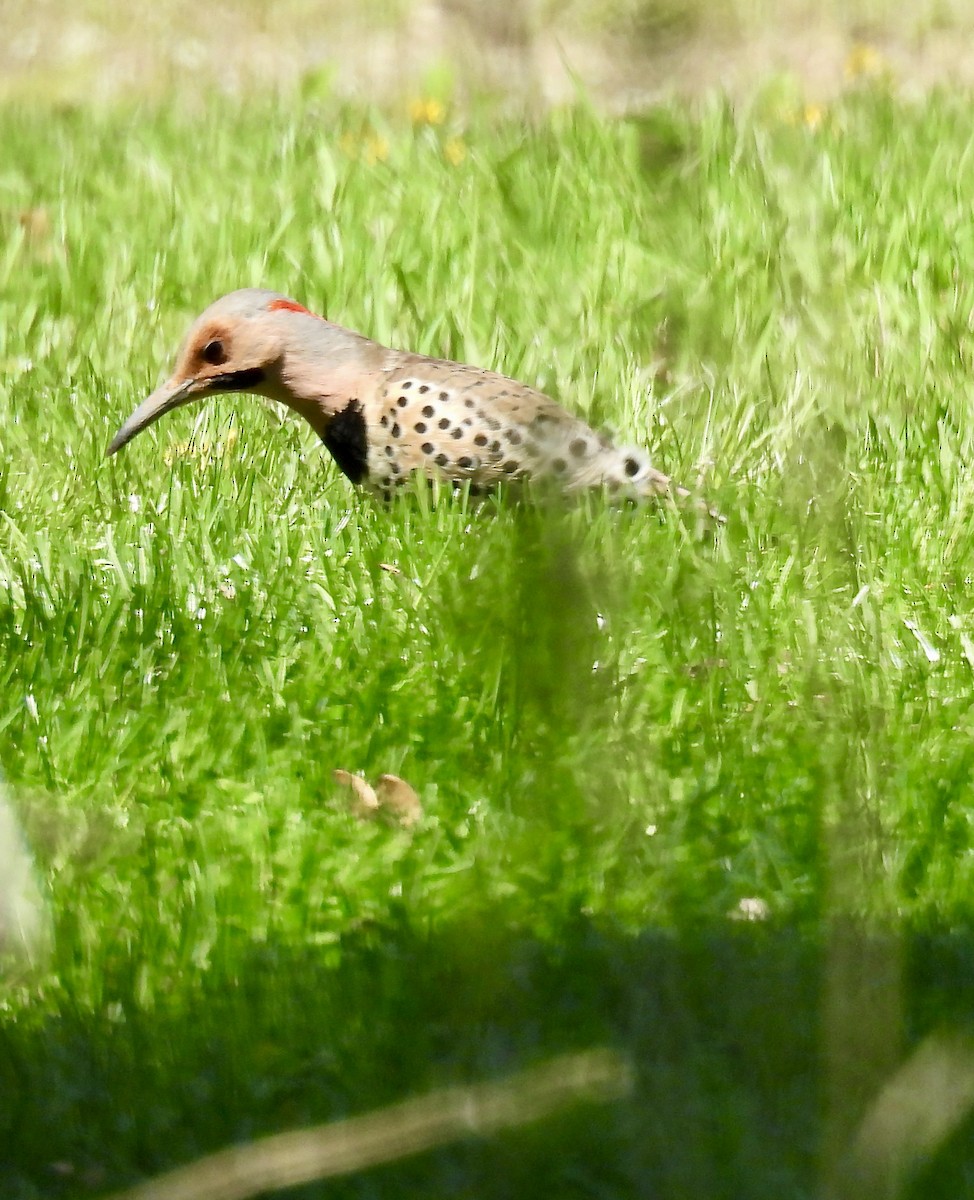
(237, 345)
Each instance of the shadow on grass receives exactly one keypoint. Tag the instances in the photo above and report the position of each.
(722, 1027)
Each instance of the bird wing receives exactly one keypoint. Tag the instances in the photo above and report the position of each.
(464, 422)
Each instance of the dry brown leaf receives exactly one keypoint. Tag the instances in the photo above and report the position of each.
(392, 797)
(365, 804)
(399, 798)
(36, 224)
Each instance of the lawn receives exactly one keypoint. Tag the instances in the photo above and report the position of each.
(628, 728)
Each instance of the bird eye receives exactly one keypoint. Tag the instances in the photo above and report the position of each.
(214, 353)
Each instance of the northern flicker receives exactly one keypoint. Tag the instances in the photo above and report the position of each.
(385, 414)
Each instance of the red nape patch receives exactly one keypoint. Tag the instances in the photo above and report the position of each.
(290, 306)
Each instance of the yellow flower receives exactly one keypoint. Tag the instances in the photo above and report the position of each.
(426, 112)
(812, 116)
(368, 145)
(864, 60)
(176, 450)
(454, 151)
(203, 450)
(376, 149)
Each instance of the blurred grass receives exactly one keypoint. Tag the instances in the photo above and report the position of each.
(532, 52)
(621, 730)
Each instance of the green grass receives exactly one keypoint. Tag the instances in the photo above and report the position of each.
(621, 725)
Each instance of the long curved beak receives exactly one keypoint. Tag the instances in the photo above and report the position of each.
(164, 399)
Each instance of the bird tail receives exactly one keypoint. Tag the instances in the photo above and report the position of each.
(584, 461)
(628, 471)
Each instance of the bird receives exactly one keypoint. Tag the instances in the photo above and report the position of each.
(386, 415)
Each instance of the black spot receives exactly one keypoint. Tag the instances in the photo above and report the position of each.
(389, 451)
(465, 463)
(632, 467)
(480, 439)
(441, 460)
(428, 410)
(345, 438)
(444, 422)
(578, 447)
(456, 433)
(492, 424)
(384, 421)
(495, 447)
(559, 465)
(468, 403)
(424, 388)
(395, 468)
(468, 421)
(514, 437)
(420, 427)
(510, 467)
(444, 395)
(408, 384)
(402, 401)
(427, 447)
(396, 431)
